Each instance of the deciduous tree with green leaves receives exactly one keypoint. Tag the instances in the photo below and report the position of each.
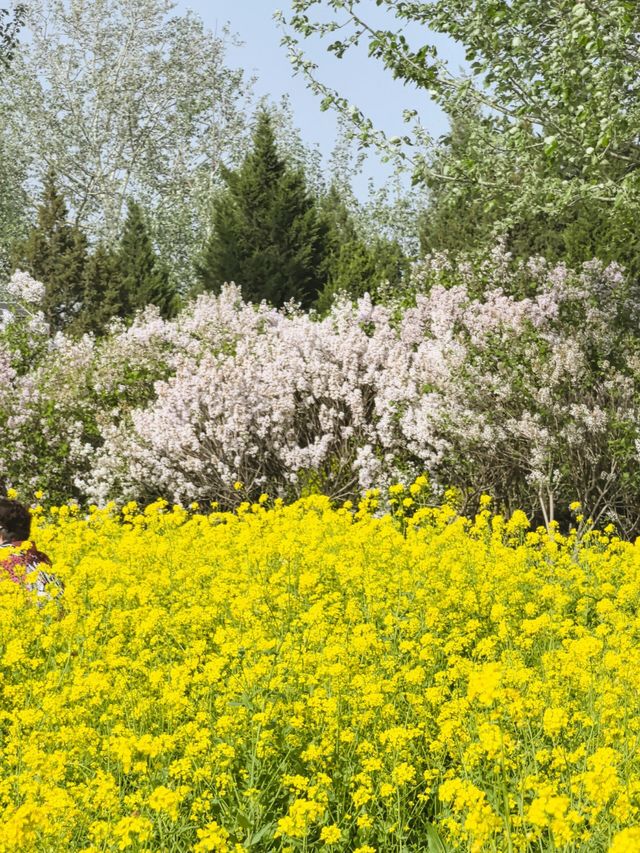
(13, 200)
(556, 84)
(10, 23)
(462, 217)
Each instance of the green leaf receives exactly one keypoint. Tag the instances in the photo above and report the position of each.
(262, 833)
(434, 843)
(243, 821)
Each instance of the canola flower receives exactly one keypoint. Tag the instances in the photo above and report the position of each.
(303, 677)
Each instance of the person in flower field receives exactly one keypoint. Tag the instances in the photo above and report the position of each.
(24, 558)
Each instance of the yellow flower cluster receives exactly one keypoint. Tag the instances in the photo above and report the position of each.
(303, 677)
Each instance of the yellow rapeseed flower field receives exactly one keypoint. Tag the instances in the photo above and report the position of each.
(301, 678)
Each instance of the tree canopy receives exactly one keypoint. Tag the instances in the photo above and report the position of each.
(554, 87)
(55, 253)
(127, 99)
(142, 275)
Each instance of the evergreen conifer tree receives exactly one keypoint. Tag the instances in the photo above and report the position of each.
(356, 265)
(55, 253)
(104, 295)
(143, 278)
(267, 234)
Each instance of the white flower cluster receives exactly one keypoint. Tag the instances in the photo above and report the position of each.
(515, 396)
(24, 289)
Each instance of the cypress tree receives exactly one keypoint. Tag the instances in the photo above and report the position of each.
(143, 278)
(55, 253)
(267, 234)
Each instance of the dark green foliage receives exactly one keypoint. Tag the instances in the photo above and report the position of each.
(267, 234)
(83, 292)
(55, 253)
(142, 277)
(356, 266)
(103, 293)
(593, 230)
(463, 222)
(464, 216)
(9, 29)
(456, 219)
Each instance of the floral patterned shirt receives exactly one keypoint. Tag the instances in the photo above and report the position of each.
(23, 562)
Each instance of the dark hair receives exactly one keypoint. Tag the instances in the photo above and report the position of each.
(15, 520)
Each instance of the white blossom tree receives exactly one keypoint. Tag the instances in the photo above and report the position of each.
(127, 99)
(12, 199)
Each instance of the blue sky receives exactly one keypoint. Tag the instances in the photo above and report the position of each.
(359, 78)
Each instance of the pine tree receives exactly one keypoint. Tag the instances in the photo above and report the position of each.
(143, 278)
(55, 253)
(267, 234)
(104, 295)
